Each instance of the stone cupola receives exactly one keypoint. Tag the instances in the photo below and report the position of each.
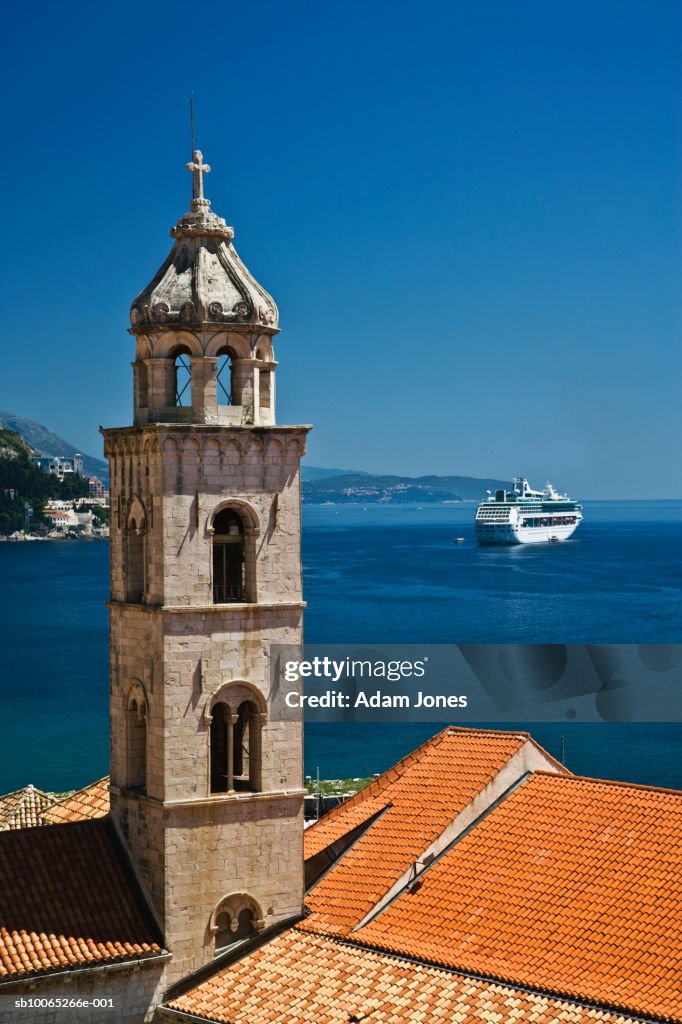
(204, 328)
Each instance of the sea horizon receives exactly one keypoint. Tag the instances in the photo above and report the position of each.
(371, 575)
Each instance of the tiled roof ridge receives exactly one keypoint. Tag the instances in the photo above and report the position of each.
(370, 790)
(90, 801)
(498, 979)
(618, 783)
(26, 788)
(91, 823)
(23, 808)
(362, 832)
(96, 782)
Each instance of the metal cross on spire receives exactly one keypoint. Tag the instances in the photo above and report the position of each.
(198, 169)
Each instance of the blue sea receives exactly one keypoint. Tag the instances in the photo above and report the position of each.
(379, 574)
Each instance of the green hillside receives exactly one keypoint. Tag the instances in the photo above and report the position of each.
(22, 481)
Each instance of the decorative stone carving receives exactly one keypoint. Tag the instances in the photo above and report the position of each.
(203, 281)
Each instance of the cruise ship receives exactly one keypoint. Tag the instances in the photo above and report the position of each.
(525, 516)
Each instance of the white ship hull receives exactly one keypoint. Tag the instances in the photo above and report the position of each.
(525, 516)
(511, 533)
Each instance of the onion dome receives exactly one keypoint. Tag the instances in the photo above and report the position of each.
(203, 282)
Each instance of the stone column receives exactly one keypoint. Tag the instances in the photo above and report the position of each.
(161, 385)
(140, 391)
(243, 388)
(204, 396)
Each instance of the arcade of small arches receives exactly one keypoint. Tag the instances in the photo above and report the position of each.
(229, 380)
(128, 454)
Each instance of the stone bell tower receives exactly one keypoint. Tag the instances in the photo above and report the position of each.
(206, 784)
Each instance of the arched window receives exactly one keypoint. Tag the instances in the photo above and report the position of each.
(183, 376)
(229, 575)
(244, 754)
(135, 540)
(236, 919)
(220, 730)
(136, 741)
(224, 382)
(228, 934)
(235, 744)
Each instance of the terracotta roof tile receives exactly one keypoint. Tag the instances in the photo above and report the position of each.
(323, 833)
(426, 791)
(90, 802)
(67, 900)
(23, 808)
(301, 978)
(570, 885)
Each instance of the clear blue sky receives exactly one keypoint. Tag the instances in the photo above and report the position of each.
(467, 213)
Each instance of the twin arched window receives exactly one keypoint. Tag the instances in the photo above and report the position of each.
(235, 746)
(237, 917)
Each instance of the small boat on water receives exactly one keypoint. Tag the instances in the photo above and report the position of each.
(525, 516)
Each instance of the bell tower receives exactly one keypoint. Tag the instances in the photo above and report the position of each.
(206, 786)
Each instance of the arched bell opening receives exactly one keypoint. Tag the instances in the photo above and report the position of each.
(225, 377)
(182, 376)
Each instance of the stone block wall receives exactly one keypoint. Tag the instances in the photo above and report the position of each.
(134, 990)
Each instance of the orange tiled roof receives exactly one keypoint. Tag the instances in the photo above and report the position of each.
(23, 808)
(426, 791)
(300, 978)
(67, 900)
(570, 885)
(90, 802)
(323, 833)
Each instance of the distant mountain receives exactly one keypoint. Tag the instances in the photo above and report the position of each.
(317, 473)
(48, 443)
(365, 488)
(318, 484)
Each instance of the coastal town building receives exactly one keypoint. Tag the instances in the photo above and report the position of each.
(97, 489)
(60, 466)
(476, 880)
(69, 515)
